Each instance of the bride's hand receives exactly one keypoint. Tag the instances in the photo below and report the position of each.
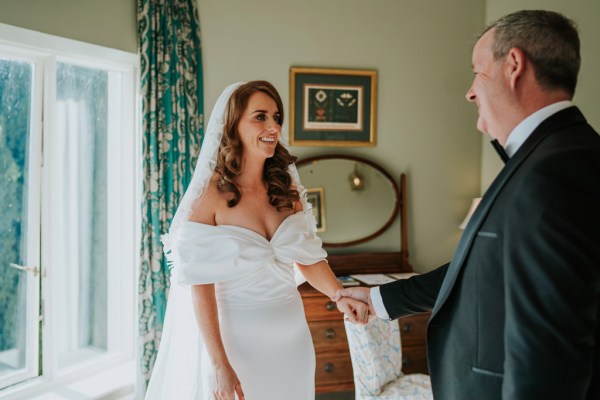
(355, 311)
(226, 383)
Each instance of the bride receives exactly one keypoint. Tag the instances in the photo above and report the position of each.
(235, 325)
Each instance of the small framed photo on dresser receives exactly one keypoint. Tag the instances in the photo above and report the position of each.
(316, 197)
(332, 107)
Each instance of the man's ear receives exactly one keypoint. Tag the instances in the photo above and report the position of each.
(515, 65)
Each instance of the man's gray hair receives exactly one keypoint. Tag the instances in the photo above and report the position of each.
(548, 39)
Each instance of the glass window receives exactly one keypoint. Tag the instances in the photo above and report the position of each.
(18, 323)
(68, 213)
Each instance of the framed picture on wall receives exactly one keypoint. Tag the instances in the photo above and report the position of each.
(332, 107)
(316, 197)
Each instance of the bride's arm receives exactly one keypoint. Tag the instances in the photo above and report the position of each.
(207, 317)
(321, 277)
(206, 312)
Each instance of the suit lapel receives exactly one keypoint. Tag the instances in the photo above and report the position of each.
(556, 122)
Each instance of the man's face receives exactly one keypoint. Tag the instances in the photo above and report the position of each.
(490, 89)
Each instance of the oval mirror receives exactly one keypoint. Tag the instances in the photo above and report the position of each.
(354, 199)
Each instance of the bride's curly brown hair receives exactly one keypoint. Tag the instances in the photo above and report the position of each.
(229, 158)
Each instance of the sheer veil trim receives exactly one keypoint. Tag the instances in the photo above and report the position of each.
(176, 373)
(207, 161)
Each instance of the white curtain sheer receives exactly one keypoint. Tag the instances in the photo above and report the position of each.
(74, 194)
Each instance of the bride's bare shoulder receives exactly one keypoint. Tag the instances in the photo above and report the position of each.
(205, 207)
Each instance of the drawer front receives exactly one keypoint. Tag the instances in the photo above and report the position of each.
(319, 308)
(413, 329)
(414, 360)
(329, 336)
(333, 369)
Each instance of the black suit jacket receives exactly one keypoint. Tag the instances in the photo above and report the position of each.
(516, 314)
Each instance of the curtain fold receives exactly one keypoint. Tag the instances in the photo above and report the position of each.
(172, 128)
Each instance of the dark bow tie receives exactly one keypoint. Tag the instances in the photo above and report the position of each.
(500, 150)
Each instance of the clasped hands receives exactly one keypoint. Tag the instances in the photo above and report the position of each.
(355, 303)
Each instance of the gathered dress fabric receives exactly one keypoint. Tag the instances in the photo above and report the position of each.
(261, 316)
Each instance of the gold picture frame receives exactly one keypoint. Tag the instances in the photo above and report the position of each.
(333, 107)
(316, 197)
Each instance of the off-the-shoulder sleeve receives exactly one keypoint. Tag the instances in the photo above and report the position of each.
(300, 243)
(201, 257)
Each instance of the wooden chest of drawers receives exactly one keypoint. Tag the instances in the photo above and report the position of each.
(413, 331)
(334, 368)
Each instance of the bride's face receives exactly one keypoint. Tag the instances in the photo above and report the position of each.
(259, 127)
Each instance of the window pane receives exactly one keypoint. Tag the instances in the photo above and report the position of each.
(15, 110)
(81, 112)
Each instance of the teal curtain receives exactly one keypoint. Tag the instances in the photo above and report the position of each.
(172, 126)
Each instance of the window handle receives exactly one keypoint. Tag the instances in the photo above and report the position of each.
(35, 270)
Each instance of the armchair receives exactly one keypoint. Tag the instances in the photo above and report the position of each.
(376, 355)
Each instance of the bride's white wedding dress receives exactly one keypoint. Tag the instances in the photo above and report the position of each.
(261, 317)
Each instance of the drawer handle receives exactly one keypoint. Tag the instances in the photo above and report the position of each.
(406, 361)
(329, 368)
(407, 328)
(329, 333)
(330, 306)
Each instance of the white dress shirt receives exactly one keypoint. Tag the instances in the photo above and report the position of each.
(526, 127)
(516, 138)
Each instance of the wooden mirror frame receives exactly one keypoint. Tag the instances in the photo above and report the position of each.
(399, 203)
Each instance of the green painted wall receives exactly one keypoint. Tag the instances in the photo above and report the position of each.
(110, 23)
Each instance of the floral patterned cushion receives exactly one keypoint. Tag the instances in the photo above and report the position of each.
(408, 387)
(376, 354)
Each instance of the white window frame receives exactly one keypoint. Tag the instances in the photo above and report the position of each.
(124, 194)
(32, 222)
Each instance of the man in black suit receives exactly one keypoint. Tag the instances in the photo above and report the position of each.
(516, 313)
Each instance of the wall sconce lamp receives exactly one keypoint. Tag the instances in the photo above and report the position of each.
(474, 204)
(357, 182)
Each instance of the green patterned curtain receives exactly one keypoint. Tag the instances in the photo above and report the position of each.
(172, 105)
